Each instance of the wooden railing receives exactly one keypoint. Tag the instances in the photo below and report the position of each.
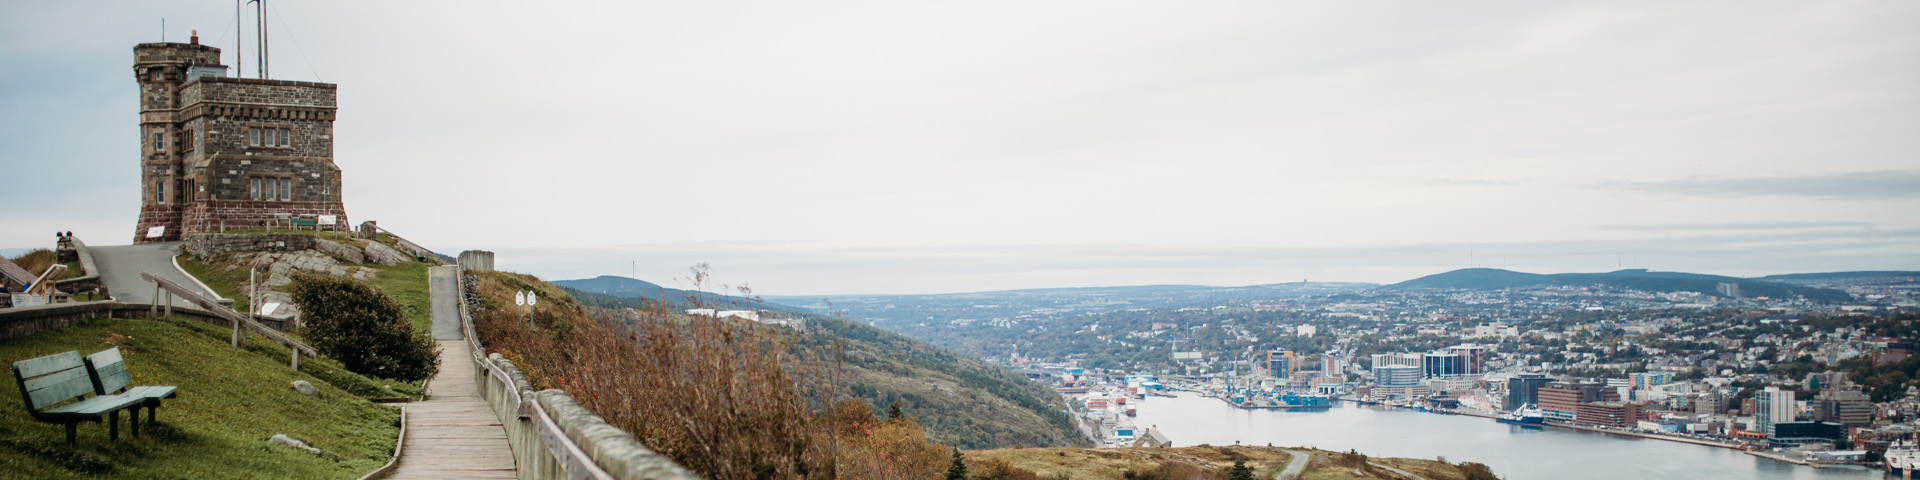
(236, 318)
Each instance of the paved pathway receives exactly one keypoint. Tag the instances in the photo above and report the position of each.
(453, 434)
(1399, 471)
(120, 267)
(1296, 465)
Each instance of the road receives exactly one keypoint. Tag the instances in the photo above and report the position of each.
(1296, 465)
(120, 268)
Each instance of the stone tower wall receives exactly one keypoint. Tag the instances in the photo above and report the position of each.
(224, 149)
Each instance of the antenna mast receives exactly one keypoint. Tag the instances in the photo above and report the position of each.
(239, 41)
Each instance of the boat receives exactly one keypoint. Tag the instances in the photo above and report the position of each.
(1902, 456)
(1526, 416)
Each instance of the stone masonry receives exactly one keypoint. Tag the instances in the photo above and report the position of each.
(229, 153)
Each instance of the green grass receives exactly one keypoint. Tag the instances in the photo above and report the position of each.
(222, 280)
(405, 282)
(230, 401)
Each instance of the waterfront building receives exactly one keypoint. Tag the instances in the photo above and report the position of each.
(1474, 358)
(1561, 400)
(1333, 365)
(1846, 406)
(1771, 406)
(1802, 433)
(1608, 414)
(1396, 376)
(1281, 364)
(1441, 365)
(1524, 388)
(1710, 403)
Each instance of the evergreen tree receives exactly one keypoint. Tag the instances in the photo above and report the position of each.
(894, 413)
(1240, 471)
(958, 470)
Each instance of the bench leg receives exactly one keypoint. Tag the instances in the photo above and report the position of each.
(71, 428)
(133, 420)
(113, 425)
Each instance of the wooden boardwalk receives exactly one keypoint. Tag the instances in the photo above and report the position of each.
(453, 434)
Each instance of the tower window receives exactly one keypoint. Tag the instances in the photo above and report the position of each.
(253, 187)
(160, 192)
(286, 137)
(253, 136)
(159, 141)
(270, 190)
(286, 189)
(272, 134)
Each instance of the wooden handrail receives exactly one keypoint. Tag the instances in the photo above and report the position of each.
(216, 308)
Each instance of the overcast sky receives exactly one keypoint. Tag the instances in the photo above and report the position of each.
(919, 147)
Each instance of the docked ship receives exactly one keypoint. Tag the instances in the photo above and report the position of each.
(1902, 456)
(1526, 416)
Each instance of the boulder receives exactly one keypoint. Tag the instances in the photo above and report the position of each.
(283, 439)
(306, 388)
(341, 251)
(381, 253)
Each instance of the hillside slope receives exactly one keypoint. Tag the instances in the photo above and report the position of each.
(1637, 279)
(230, 401)
(959, 400)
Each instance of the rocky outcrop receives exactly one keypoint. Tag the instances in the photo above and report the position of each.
(381, 253)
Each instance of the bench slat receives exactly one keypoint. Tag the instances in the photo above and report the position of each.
(34, 367)
(97, 406)
(109, 371)
(58, 387)
(151, 391)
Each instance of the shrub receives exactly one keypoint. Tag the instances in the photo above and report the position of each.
(362, 328)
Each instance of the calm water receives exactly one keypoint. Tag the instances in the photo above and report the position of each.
(1513, 452)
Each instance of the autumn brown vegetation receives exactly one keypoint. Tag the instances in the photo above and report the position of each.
(721, 396)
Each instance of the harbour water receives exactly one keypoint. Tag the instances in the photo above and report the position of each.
(1513, 452)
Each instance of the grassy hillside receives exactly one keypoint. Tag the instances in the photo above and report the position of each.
(1207, 462)
(230, 401)
(406, 282)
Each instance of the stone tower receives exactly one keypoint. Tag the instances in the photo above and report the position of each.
(229, 153)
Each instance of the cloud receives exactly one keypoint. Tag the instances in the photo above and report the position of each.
(1882, 185)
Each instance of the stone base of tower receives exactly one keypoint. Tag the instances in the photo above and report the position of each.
(218, 216)
(166, 216)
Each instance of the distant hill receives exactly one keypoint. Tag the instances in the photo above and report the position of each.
(625, 287)
(1839, 275)
(1637, 279)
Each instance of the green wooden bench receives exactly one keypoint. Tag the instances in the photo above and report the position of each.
(54, 379)
(109, 373)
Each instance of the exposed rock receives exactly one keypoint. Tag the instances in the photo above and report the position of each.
(282, 439)
(305, 388)
(341, 251)
(385, 255)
